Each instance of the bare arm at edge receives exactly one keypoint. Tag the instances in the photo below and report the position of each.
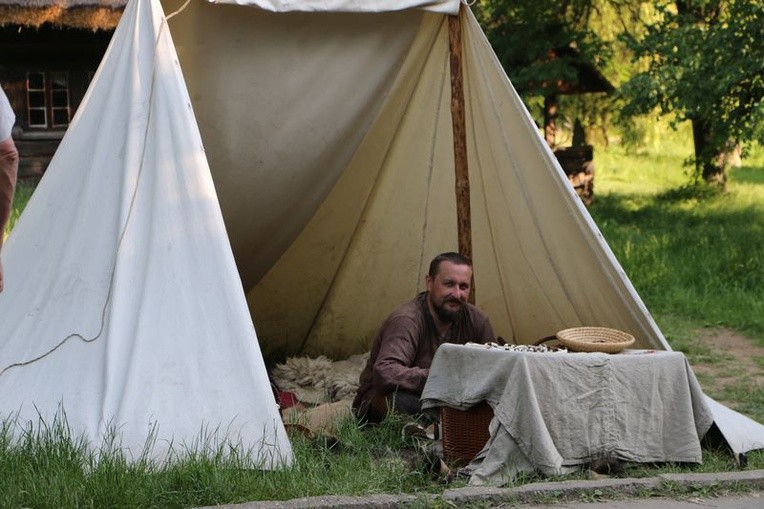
(9, 167)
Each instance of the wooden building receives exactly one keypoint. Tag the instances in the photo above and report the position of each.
(50, 52)
(577, 161)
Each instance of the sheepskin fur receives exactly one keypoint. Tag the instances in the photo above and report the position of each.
(319, 380)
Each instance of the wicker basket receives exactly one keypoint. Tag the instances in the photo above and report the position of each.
(595, 339)
(464, 432)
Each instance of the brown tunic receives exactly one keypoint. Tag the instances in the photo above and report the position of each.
(402, 350)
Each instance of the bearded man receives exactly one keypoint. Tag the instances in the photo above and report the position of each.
(403, 349)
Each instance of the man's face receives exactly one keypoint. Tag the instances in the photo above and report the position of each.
(449, 289)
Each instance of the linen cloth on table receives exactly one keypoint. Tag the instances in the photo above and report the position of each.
(557, 410)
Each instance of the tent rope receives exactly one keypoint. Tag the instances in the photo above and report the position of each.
(127, 219)
(181, 9)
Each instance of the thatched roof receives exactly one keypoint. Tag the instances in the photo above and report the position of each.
(88, 14)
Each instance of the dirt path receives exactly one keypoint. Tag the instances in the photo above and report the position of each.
(727, 363)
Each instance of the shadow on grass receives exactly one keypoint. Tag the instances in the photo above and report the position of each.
(748, 175)
(694, 191)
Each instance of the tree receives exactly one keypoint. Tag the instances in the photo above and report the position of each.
(704, 62)
(547, 48)
(527, 35)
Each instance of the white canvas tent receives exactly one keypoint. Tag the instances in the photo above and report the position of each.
(327, 129)
(125, 312)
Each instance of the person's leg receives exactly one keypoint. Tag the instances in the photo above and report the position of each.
(405, 403)
(372, 409)
(408, 403)
(401, 402)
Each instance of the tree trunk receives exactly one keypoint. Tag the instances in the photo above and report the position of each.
(550, 119)
(710, 161)
(710, 158)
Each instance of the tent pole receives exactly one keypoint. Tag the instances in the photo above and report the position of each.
(463, 215)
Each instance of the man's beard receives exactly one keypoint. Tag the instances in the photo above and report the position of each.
(446, 315)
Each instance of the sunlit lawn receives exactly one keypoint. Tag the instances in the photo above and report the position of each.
(689, 251)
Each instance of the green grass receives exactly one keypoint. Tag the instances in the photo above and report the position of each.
(690, 251)
(694, 254)
(48, 467)
(24, 190)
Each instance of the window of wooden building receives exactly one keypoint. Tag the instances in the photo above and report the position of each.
(48, 102)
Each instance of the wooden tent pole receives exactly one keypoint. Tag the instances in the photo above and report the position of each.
(463, 215)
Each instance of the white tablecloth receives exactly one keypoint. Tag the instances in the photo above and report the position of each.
(557, 410)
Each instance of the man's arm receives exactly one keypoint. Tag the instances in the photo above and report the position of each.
(9, 165)
(488, 334)
(482, 329)
(394, 368)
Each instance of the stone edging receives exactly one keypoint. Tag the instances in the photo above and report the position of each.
(528, 493)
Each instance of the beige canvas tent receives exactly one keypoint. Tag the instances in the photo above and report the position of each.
(326, 125)
(330, 140)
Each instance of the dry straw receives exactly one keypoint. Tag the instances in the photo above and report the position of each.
(93, 17)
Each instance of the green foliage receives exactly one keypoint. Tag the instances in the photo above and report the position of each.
(547, 48)
(540, 43)
(704, 63)
(691, 60)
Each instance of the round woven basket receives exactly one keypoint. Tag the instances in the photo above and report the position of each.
(595, 339)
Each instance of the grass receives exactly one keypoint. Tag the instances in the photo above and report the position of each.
(690, 251)
(694, 255)
(48, 467)
(24, 190)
